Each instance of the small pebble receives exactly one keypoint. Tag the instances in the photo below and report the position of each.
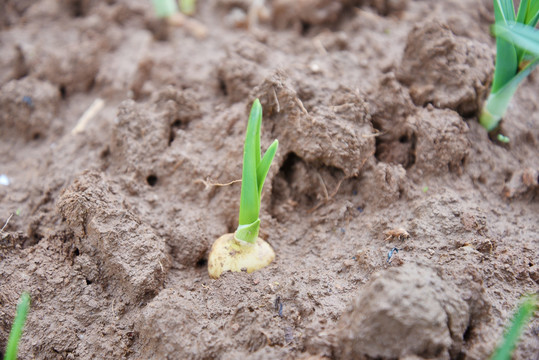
(4, 180)
(28, 101)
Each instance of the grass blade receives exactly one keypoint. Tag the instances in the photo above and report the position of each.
(18, 325)
(523, 36)
(263, 167)
(520, 319)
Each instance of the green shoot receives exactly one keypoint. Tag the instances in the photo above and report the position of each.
(187, 7)
(255, 169)
(517, 54)
(16, 329)
(520, 319)
(503, 139)
(164, 8)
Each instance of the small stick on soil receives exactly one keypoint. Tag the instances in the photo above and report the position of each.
(254, 13)
(194, 27)
(323, 202)
(375, 134)
(208, 184)
(88, 115)
(323, 186)
(276, 100)
(337, 188)
(318, 44)
(298, 101)
(162, 268)
(7, 221)
(178, 164)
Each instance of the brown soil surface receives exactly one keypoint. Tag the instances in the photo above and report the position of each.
(374, 104)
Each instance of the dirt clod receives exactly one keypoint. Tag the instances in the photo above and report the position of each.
(432, 59)
(399, 306)
(440, 140)
(126, 249)
(339, 123)
(28, 108)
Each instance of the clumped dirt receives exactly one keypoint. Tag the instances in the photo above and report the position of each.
(401, 229)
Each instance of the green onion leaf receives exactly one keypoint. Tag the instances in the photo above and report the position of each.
(18, 325)
(520, 319)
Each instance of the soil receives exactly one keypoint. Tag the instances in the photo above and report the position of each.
(401, 229)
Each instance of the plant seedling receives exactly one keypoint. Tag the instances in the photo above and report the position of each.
(187, 7)
(164, 8)
(517, 54)
(520, 319)
(16, 328)
(244, 250)
(167, 8)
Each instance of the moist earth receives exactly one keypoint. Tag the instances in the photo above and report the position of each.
(401, 229)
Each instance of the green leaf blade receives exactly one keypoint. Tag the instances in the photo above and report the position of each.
(506, 54)
(265, 163)
(521, 18)
(532, 15)
(256, 112)
(504, 11)
(164, 8)
(17, 327)
(523, 36)
(187, 6)
(523, 8)
(497, 102)
(506, 64)
(519, 320)
(249, 199)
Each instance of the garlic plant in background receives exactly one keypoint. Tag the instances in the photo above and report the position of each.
(517, 54)
(166, 8)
